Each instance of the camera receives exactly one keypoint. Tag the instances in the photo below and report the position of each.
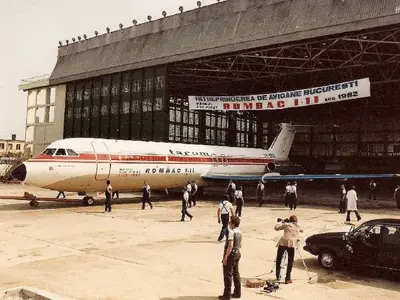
(284, 220)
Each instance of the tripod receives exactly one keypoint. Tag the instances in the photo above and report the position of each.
(283, 265)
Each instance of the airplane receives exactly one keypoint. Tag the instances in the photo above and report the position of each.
(83, 165)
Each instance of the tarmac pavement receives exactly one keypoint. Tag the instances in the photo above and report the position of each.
(82, 253)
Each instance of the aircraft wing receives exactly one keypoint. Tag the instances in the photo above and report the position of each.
(309, 177)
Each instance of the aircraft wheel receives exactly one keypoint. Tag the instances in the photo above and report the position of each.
(34, 203)
(88, 201)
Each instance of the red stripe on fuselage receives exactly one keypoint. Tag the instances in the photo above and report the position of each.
(91, 158)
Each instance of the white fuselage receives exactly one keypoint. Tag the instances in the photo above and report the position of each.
(129, 163)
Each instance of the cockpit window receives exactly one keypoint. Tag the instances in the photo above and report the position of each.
(49, 151)
(72, 152)
(61, 152)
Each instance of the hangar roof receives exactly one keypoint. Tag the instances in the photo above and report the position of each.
(224, 27)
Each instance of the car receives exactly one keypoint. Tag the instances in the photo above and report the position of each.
(373, 244)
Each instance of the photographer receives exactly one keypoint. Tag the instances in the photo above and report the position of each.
(287, 243)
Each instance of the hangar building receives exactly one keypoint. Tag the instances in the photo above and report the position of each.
(133, 83)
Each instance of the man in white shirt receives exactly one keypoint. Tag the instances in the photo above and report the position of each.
(260, 192)
(293, 196)
(185, 199)
(231, 191)
(288, 190)
(224, 211)
(239, 201)
(194, 192)
(146, 196)
(109, 191)
(189, 190)
(342, 205)
(372, 190)
(352, 203)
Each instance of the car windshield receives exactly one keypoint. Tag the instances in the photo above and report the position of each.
(49, 151)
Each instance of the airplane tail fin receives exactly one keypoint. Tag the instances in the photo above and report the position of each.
(282, 144)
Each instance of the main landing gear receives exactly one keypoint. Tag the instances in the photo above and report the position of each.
(88, 201)
(34, 203)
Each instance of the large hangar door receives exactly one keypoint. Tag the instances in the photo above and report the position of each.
(103, 160)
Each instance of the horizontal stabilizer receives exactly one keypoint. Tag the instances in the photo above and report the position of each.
(268, 177)
(232, 177)
(276, 176)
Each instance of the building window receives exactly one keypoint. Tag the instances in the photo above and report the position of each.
(10, 146)
(1, 146)
(52, 95)
(41, 97)
(18, 147)
(183, 124)
(242, 134)
(31, 98)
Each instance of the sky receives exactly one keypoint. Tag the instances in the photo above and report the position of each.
(30, 31)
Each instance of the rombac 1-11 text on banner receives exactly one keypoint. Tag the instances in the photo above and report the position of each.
(350, 90)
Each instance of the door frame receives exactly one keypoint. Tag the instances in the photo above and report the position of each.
(97, 162)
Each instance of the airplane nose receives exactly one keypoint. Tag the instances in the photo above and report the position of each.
(19, 173)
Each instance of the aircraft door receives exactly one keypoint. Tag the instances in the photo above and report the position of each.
(103, 160)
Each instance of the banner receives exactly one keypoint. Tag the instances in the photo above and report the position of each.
(344, 91)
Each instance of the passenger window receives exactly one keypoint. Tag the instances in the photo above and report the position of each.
(61, 152)
(72, 152)
(49, 151)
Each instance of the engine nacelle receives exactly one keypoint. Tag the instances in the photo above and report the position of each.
(284, 168)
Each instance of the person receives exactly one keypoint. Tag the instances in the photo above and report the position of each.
(189, 190)
(109, 191)
(260, 192)
(230, 261)
(293, 196)
(239, 201)
(60, 193)
(185, 199)
(194, 192)
(287, 242)
(397, 196)
(116, 193)
(288, 191)
(231, 191)
(372, 190)
(146, 196)
(352, 199)
(342, 204)
(225, 209)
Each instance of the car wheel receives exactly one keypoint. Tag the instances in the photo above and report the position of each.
(327, 259)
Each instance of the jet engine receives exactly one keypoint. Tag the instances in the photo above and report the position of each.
(284, 168)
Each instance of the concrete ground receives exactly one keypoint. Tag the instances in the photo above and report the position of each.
(82, 253)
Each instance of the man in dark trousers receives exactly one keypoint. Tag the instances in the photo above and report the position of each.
(397, 195)
(108, 196)
(194, 192)
(372, 190)
(260, 192)
(224, 211)
(231, 260)
(342, 205)
(185, 200)
(146, 196)
(231, 191)
(293, 196)
(60, 193)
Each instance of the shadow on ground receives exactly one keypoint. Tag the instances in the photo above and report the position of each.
(343, 278)
(191, 298)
